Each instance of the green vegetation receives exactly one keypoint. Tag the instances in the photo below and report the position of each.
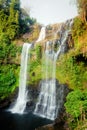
(72, 70)
(35, 65)
(14, 22)
(9, 66)
(8, 80)
(78, 28)
(76, 105)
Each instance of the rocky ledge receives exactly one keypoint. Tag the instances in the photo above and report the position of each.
(59, 124)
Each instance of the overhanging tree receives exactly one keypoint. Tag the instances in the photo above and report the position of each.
(82, 9)
(13, 21)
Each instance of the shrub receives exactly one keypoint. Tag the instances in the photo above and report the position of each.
(76, 106)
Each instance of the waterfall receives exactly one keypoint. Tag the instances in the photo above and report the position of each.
(46, 105)
(42, 34)
(50, 100)
(64, 34)
(21, 101)
(61, 48)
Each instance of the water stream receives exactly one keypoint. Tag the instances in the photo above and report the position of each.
(42, 34)
(22, 98)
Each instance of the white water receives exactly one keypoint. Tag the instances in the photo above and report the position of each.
(42, 34)
(63, 40)
(61, 46)
(48, 106)
(21, 101)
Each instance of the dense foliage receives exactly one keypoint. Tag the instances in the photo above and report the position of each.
(13, 20)
(76, 105)
(73, 71)
(9, 66)
(8, 80)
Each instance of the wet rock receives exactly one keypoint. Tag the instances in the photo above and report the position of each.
(47, 127)
(4, 103)
(57, 126)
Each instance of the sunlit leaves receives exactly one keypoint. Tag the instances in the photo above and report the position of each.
(76, 103)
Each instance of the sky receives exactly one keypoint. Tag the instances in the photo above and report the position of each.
(50, 11)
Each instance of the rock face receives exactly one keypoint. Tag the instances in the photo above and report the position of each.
(48, 127)
(58, 35)
(56, 126)
(4, 103)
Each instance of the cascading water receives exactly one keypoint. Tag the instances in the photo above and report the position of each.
(64, 34)
(46, 105)
(61, 48)
(42, 34)
(49, 104)
(21, 101)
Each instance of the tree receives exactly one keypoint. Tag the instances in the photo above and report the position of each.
(82, 9)
(76, 106)
(13, 20)
(9, 17)
(3, 19)
(4, 3)
(25, 21)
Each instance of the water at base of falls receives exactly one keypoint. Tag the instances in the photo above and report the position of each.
(9, 121)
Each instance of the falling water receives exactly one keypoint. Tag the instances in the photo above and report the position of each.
(49, 104)
(42, 34)
(20, 103)
(61, 48)
(46, 105)
(64, 34)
